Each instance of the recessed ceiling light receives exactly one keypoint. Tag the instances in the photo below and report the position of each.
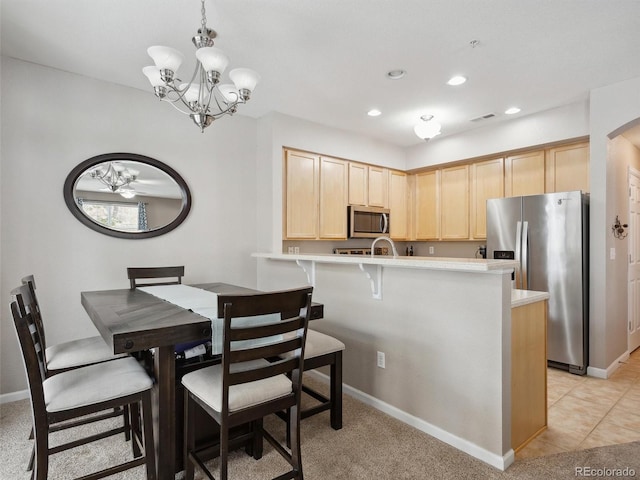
(457, 80)
(512, 110)
(374, 112)
(396, 74)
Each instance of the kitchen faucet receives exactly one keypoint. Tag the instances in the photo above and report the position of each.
(393, 246)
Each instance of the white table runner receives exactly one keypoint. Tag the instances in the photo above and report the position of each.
(205, 303)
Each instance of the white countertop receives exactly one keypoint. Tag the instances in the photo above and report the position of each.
(431, 263)
(525, 297)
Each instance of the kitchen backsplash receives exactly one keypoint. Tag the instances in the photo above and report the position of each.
(420, 249)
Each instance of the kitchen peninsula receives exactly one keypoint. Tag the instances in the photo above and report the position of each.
(428, 339)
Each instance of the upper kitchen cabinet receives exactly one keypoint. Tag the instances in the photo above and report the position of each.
(487, 181)
(398, 205)
(454, 203)
(567, 168)
(378, 186)
(524, 174)
(368, 185)
(427, 205)
(302, 182)
(316, 196)
(334, 184)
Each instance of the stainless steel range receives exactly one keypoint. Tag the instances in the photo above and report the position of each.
(361, 251)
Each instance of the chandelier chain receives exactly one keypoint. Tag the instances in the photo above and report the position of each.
(204, 19)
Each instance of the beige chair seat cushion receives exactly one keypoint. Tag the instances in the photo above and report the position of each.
(319, 344)
(75, 353)
(95, 383)
(206, 384)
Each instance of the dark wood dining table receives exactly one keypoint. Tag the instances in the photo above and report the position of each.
(134, 321)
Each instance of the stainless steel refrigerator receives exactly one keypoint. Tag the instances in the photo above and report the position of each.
(548, 234)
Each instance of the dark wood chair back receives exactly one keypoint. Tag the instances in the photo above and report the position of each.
(32, 350)
(31, 340)
(146, 273)
(32, 300)
(277, 338)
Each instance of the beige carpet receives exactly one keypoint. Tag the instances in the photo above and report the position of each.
(371, 445)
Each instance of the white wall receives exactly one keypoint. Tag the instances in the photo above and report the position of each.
(562, 123)
(612, 108)
(51, 121)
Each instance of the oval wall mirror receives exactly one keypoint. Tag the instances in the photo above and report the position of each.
(126, 195)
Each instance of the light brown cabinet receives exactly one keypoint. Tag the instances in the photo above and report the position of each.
(528, 372)
(567, 168)
(302, 181)
(427, 205)
(334, 177)
(524, 174)
(487, 181)
(378, 186)
(316, 197)
(368, 185)
(454, 203)
(398, 205)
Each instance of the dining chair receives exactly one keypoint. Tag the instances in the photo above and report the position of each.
(154, 273)
(76, 393)
(323, 350)
(245, 387)
(69, 355)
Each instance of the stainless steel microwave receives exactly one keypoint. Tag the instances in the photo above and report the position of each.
(368, 222)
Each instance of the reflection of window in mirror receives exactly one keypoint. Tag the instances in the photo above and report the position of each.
(126, 217)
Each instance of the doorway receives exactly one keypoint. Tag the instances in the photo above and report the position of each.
(633, 295)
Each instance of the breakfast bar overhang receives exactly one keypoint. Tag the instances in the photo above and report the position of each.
(444, 326)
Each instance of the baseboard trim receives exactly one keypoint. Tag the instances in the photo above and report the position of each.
(14, 396)
(497, 461)
(606, 373)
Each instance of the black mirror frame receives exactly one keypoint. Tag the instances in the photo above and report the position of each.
(70, 199)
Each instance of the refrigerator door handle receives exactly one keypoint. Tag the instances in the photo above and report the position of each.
(525, 256)
(518, 253)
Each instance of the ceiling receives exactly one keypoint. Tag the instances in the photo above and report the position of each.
(326, 60)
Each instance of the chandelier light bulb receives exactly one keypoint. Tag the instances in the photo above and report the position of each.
(212, 59)
(166, 58)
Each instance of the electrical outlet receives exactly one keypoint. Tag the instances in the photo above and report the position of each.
(432, 250)
(296, 250)
(290, 250)
(381, 360)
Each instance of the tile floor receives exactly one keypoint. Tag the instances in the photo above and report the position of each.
(586, 412)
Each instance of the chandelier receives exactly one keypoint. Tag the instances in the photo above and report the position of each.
(116, 177)
(427, 128)
(204, 99)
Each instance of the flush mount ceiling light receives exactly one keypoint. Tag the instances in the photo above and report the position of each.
(427, 128)
(512, 110)
(396, 74)
(457, 80)
(374, 112)
(202, 98)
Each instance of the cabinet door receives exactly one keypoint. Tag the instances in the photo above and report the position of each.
(358, 183)
(487, 181)
(428, 205)
(334, 178)
(398, 204)
(454, 202)
(524, 174)
(378, 187)
(302, 182)
(568, 168)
